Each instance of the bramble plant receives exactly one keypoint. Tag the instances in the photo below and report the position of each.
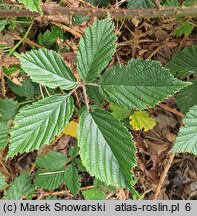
(105, 145)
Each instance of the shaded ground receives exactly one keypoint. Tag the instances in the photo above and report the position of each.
(149, 39)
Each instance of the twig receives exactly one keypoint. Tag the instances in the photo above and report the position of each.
(67, 192)
(163, 176)
(3, 89)
(118, 3)
(156, 50)
(87, 187)
(53, 9)
(171, 110)
(66, 28)
(5, 169)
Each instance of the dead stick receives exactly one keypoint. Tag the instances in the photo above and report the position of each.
(3, 89)
(67, 192)
(171, 110)
(163, 176)
(66, 28)
(53, 9)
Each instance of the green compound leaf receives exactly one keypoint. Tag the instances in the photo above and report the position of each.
(184, 29)
(3, 182)
(72, 179)
(187, 97)
(21, 187)
(48, 68)
(39, 123)
(52, 160)
(96, 49)
(106, 148)
(140, 84)
(140, 4)
(8, 109)
(94, 194)
(32, 5)
(50, 179)
(186, 140)
(184, 62)
(4, 130)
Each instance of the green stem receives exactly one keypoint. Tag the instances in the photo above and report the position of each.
(41, 92)
(18, 21)
(26, 102)
(22, 39)
(93, 84)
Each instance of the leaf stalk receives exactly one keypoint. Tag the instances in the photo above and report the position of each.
(85, 96)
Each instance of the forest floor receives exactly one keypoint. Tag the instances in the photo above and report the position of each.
(153, 39)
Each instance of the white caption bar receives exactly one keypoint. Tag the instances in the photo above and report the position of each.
(105, 207)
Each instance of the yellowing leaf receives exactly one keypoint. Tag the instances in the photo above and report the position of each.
(141, 119)
(71, 129)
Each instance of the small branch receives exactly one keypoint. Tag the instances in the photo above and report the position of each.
(85, 96)
(156, 50)
(163, 176)
(63, 192)
(171, 110)
(53, 9)
(3, 89)
(4, 168)
(87, 187)
(57, 193)
(66, 28)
